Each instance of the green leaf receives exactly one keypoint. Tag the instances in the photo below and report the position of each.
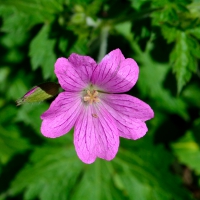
(168, 11)
(63, 44)
(195, 32)
(182, 60)
(191, 94)
(51, 175)
(55, 172)
(11, 143)
(169, 33)
(152, 76)
(16, 24)
(94, 7)
(4, 71)
(8, 112)
(18, 87)
(188, 151)
(40, 10)
(165, 12)
(137, 4)
(42, 52)
(150, 83)
(30, 115)
(139, 174)
(178, 24)
(80, 47)
(99, 177)
(194, 8)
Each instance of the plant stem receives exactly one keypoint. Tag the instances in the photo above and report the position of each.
(103, 42)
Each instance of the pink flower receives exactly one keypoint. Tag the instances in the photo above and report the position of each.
(93, 105)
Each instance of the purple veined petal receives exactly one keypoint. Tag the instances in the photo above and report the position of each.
(128, 128)
(130, 106)
(129, 113)
(133, 130)
(84, 137)
(96, 134)
(74, 73)
(67, 76)
(115, 74)
(62, 114)
(83, 65)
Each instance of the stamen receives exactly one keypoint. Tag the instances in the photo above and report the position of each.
(91, 97)
(89, 93)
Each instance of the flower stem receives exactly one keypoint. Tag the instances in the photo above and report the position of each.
(103, 42)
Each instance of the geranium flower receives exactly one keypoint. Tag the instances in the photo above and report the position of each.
(92, 103)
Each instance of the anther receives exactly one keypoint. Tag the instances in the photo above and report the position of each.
(91, 97)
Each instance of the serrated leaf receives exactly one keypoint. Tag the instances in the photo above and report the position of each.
(143, 174)
(52, 174)
(16, 24)
(168, 11)
(176, 23)
(55, 172)
(182, 60)
(42, 52)
(152, 76)
(99, 177)
(169, 33)
(40, 10)
(151, 84)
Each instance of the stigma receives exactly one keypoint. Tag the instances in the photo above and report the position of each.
(91, 97)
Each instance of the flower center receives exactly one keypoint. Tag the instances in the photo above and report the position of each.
(91, 97)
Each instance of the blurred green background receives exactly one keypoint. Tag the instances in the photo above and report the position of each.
(163, 37)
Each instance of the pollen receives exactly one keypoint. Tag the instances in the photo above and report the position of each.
(91, 97)
(94, 115)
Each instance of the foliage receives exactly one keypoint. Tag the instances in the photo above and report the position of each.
(163, 37)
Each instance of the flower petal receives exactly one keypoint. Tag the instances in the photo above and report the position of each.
(130, 106)
(74, 73)
(62, 114)
(95, 134)
(84, 66)
(129, 113)
(115, 74)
